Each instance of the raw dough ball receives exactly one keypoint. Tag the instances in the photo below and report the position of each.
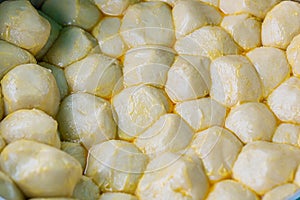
(191, 15)
(281, 192)
(117, 196)
(202, 113)
(271, 65)
(231, 190)
(263, 165)
(96, 74)
(38, 168)
(244, 28)
(188, 78)
(234, 80)
(293, 52)
(170, 133)
(284, 101)
(21, 24)
(251, 122)
(148, 23)
(8, 189)
(30, 124)
(86, 118)
(136, 108)
(116, 166)
(30, 86)
(86, 189)
(287, 134)
(147, 64)
(173, 176)
(208, 41)
(281, 24)
(76, 151)
(218, 148)
(107, 32)
(114, 7)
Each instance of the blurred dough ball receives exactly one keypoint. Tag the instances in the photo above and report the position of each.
(188, 78)
(96, 74)
(86, 118)
(82, 13)
(116, 166)
(76, 151)
(117, 196)
(173, 176)
(136, 108)
(293, 53)
(72, 44)
(147, 64)
(8, 189)
(287, 134)
(107, 32)
(263, 165)
(38, 168)
(114, 7)
(245, 30)
(191, 15)
(218, 148)
(202, 113)
(32, 125)
(30, 86)
(251, 122)
(271, 65)
(148, 23)
(281, 192)
(281, 24)
(234, 80)
(257, 8)
(284, 101)
(170, 133)
(208, 41)
(231, 190)
(21, 24)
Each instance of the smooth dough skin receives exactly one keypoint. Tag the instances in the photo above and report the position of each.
(30, 86)
(36, 168)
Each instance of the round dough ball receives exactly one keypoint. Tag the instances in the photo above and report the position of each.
(86, 118)
(218, 148)
(244, 28)
(86, 189)
(281, 25)
(284, 101)
(147, 64)
(12, 56)
(96, 74)
(173, 176)
(75, 150)
(170, 133)
(191, 15)
(117, 196)
(107, 32)
(287, 134)
(281, 192)
(263, 165)
(72, 44)
(148, 23)
(114, 7)
(271, 65)
(30, 86)
(251, 122)
(21, 24)
(257, 8)
(116, 166)
(234, 80)
(208, 41)
(31, 125)
(80, 13)
(202, 113)
(231, 190)
(8, 189)
(188, 78)
(38, 168)
(293, 55)
(136, 108)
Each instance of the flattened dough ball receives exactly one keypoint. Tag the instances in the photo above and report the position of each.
(116, 166)
(30, 86)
